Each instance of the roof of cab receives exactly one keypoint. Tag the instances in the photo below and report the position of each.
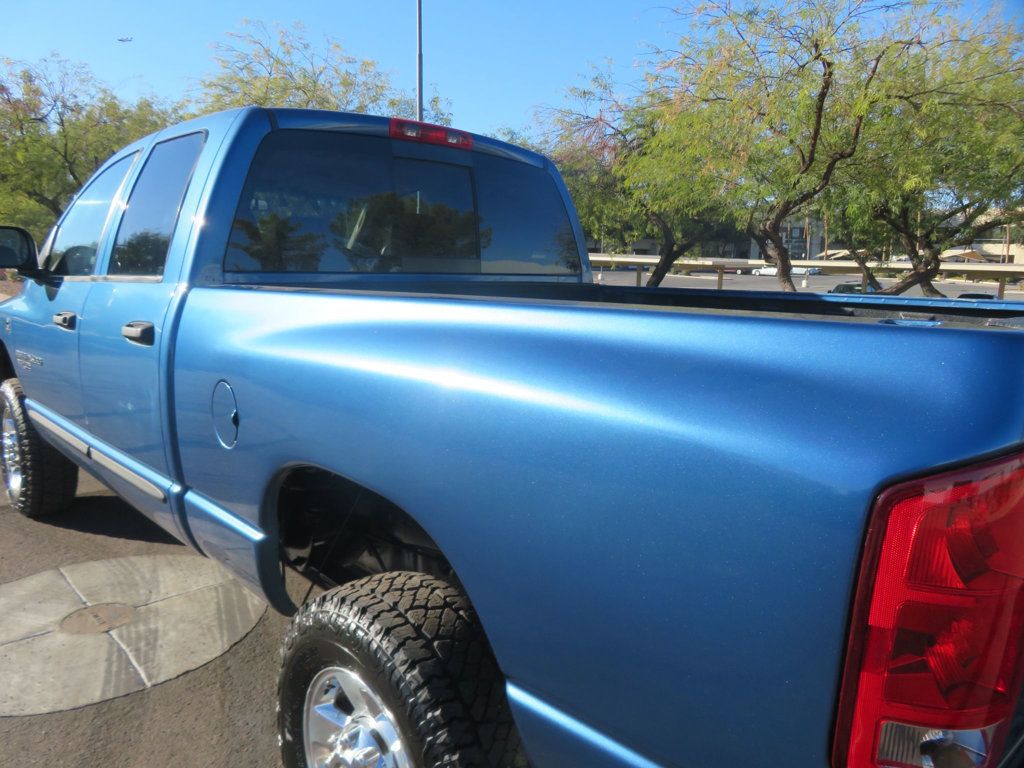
(315, 119)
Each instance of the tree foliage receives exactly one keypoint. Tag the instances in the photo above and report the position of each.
(763, 103)
(901, 119)
(602, 145)
(280, 67)
(57, 125)
(588, 152)
(848, 218)
(945, 164)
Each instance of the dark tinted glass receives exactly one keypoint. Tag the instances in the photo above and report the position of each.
(333, 202)
(432, 221)
(74, 247)
(15, 248)
(148, 222)
(529, 228)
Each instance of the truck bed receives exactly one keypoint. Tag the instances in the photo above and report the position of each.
(901, 309)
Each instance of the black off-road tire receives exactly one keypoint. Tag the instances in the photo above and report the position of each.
(48, 478)
(416, 640)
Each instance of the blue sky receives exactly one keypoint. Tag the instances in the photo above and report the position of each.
(496, 61)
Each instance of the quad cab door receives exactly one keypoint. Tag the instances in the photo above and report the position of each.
(47, 318)
(124, 344)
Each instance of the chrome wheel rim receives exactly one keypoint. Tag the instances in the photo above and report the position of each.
(346, 725)
(10, 457)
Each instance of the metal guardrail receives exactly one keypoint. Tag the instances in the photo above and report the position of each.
(998, 272)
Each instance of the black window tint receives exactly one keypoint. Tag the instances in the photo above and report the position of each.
(148, 222)
(529, 227)
(433, 222)
(323, 202)
(74, 247)
(333, 202)
(300, 209)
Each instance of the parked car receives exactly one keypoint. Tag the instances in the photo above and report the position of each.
(557, 526)
(851, 288)
(773, 271)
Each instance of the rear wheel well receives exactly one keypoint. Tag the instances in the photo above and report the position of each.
(334, 530)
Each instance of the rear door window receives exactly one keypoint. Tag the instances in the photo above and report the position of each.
(144, 235)
(333, 202)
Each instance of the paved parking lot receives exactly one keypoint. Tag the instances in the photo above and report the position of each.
(220, 714)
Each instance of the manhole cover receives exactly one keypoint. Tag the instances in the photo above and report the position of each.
(96, 619)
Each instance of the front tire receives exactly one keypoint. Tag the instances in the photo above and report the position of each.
(38, 479)
(393, 670)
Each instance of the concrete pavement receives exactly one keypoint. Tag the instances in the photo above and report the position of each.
(114, 627)
(219, 714)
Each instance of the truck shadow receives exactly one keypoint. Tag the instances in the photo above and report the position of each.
(109, 516)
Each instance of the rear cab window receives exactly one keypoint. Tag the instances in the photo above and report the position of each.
(331, 202)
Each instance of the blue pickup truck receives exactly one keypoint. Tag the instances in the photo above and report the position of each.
(554, 523)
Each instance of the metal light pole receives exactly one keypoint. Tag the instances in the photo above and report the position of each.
(419, 60)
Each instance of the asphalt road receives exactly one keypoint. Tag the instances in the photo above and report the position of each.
(815, 283)
(221, 714)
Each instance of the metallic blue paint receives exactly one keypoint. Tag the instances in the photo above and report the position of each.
(121, 380)
(163, 512)
(557, 739)
(657, 512)
(199, 504)
(699, 567)
(48, 367)
(236, 544)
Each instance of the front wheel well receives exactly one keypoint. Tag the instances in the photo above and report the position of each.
(333, 530)
(6, 364)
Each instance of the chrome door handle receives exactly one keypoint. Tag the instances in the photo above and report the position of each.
(138, 331)
(65, 320)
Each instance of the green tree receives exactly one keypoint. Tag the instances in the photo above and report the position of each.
(596, 190)
(274, 242)
(623, 191)
(683, 210)
(58, 124)
(280, 67)
(764, 102)
(849, 216)
(588, 141)
(946, 162)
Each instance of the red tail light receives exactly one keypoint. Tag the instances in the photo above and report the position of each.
(410, 130)
(934, 664)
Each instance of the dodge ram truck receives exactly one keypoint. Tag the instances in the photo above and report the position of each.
(552, 523)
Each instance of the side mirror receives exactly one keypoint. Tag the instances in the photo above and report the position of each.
(18, 250)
